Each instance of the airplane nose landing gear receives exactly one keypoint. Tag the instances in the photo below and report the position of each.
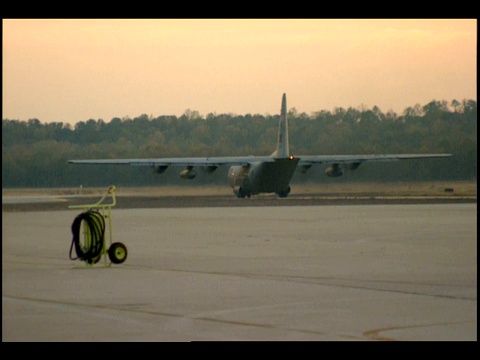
(241, 193)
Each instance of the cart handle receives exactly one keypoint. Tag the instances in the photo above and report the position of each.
(110, 191)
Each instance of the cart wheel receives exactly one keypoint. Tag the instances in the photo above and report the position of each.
(117, 253)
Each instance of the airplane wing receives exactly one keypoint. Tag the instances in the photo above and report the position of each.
(193, 161)
(337, 159)
(246, 160)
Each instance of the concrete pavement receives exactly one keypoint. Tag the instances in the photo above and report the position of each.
(364, 272)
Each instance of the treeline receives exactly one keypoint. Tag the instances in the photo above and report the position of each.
(36, 154)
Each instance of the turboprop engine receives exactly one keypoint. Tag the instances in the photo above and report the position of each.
(160, 169)
(210, 169)
(334, 171)
(188, 173)
(305, 168)
(353, 166)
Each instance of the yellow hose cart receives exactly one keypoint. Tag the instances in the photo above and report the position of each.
(89, 230)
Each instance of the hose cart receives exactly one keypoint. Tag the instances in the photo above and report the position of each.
(89, 230)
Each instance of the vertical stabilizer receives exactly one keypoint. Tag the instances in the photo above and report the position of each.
(282, 142)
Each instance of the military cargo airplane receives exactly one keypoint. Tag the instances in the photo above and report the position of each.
(252, 175)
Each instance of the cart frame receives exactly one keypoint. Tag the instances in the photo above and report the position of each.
(106, 211)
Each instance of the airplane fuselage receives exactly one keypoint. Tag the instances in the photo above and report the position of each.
(263, 177)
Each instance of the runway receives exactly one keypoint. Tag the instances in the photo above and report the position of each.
(247, 273)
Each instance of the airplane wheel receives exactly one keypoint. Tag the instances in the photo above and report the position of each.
(117, 253)
(284, 194)
(241, 194)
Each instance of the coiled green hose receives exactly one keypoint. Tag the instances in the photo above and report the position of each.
(91, 248)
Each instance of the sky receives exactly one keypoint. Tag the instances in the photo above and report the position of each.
(71, 70)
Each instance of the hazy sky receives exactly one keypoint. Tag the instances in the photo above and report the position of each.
(74, 70)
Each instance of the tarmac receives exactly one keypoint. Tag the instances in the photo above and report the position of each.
(363, 272)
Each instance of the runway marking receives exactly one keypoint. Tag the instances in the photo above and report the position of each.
(315, 281)
(323, 281)
(201, 318)
(247, 308)
(30, 199)
(375, 333)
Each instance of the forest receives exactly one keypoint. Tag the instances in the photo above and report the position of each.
(35, 154)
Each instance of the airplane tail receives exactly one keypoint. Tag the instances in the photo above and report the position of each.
(282, 150)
